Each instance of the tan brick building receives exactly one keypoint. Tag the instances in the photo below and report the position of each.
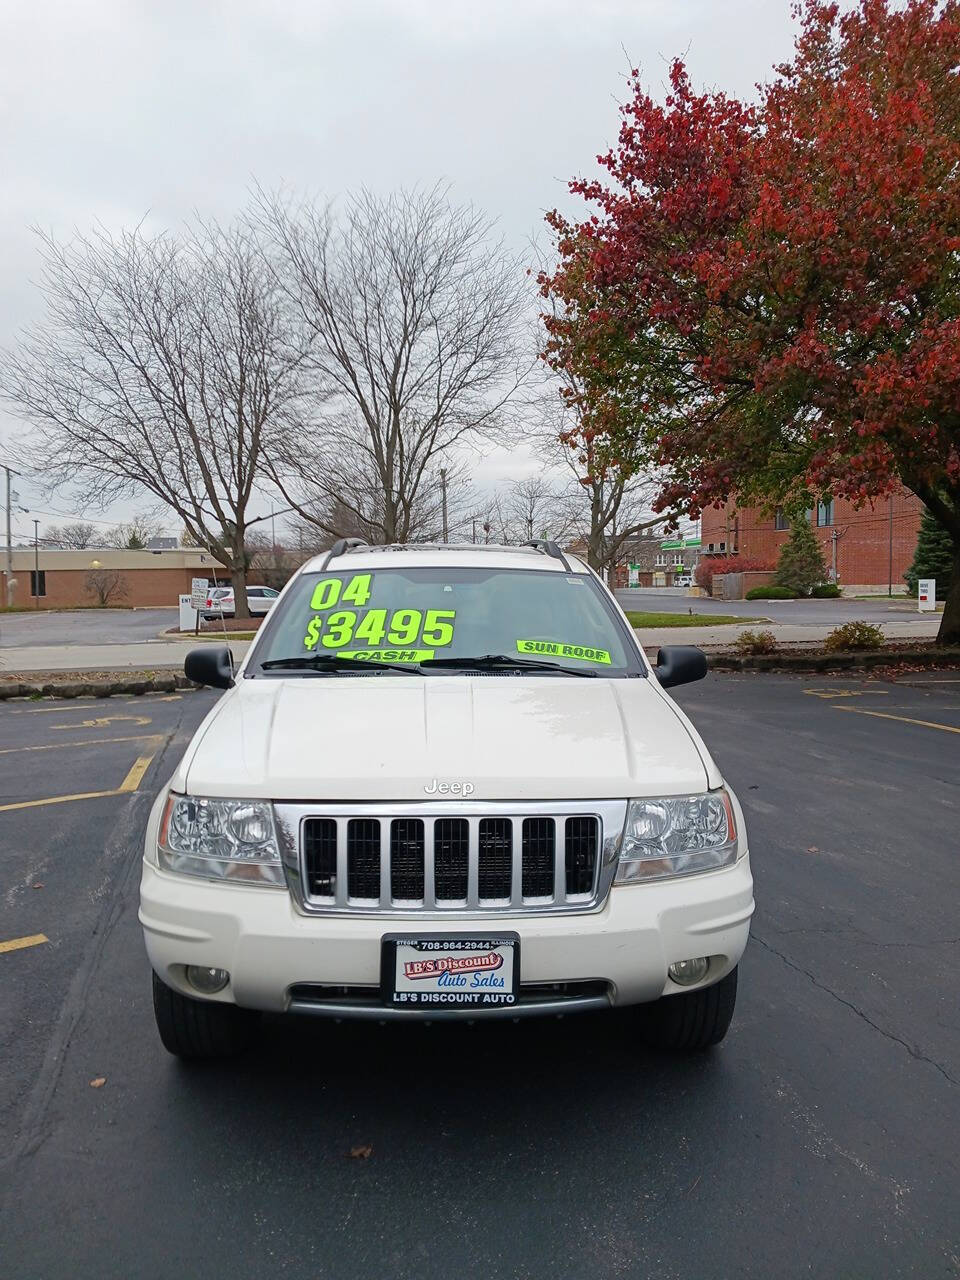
(67, 579)
(870, 548)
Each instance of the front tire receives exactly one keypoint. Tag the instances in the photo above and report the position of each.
(691, 1022)
(200, 1028)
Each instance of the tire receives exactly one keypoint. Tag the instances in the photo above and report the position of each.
(692, 1022)
(200, 1028)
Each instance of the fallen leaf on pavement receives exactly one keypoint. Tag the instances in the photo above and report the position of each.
(812, 849)
(98, 1083)
(361, 1153)
(38, 886)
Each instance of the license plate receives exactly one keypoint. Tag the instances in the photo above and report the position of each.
(450, 971)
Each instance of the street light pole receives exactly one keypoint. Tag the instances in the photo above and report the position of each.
(9, 542)
(443, 491)
(890, 547)
(36, 564)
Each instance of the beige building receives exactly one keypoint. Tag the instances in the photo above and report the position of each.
(52, 578)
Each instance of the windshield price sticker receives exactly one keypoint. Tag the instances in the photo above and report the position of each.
(439, 971)
(335, 627)
(433, 628)
(554, 649)
(387, 655)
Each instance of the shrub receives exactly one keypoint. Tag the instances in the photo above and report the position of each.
(854, 635)
(770, 593)
(826, 591)
(711, 565)
(755, 642)
(800, 566)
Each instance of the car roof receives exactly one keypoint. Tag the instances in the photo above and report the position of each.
(452, 554)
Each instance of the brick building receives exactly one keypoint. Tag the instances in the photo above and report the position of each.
(868, 549)
(67, 579)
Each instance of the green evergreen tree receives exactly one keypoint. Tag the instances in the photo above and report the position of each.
(933, 557)
(800, 567)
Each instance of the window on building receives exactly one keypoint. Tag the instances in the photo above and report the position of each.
(661, 558)
(35, 584)
(780, 520)
(825, 512)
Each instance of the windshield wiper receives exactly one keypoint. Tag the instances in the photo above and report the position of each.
(496, 661)
(331, 662)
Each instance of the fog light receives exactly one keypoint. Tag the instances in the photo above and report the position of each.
(687, 972)
(207, 981)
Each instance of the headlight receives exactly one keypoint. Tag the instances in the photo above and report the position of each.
(220, 840)
(675, 835)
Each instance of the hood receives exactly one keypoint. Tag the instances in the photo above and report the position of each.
(413, 739)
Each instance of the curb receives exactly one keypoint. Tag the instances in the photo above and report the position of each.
(865, 660)
(80, 688)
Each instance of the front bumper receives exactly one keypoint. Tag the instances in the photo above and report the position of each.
(268, 948)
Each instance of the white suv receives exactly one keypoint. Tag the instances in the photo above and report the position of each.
(444, 783)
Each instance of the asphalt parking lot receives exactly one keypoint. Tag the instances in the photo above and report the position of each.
(84, 626)
(819, 1140)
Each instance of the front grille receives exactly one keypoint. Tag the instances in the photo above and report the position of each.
(495, 858)
(406, 859)
(450, 863)
(363, 858)
(581, 854)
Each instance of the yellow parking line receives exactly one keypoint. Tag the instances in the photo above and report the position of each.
(130, 783)
(886, 715)
(17, 944)
(85, 742)
(135, 776)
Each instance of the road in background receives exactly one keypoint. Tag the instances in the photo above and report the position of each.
(84, 626)
(819, 1140)
(806, 613)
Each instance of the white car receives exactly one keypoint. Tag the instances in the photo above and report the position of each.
(222, 604)
(444, 783)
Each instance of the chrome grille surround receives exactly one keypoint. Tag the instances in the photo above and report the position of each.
(609, 815)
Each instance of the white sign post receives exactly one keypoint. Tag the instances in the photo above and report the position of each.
(927, 595)
(188, 614)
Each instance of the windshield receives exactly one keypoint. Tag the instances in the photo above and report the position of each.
(441, 615)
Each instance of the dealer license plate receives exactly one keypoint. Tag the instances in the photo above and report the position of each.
(442, 970)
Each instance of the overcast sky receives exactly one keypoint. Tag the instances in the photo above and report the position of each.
(114, 110)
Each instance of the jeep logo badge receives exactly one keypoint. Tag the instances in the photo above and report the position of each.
(437, 788)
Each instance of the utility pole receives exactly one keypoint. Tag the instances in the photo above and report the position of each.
(890, 547)
(443, 491)
(36, 564)
(9, 541)
(474, 535)
(273, 540)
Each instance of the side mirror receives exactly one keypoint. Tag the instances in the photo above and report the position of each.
(680, 664)
(212, 665)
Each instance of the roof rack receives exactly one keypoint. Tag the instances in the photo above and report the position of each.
(551, 548)
(339, 547)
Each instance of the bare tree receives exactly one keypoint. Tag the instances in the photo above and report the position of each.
(414, 315)
(76, 535)
(165, 365)
(106, 586)
(608, 498)
(538, 508)
(133, 535)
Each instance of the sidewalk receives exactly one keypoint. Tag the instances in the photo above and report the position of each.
(169, 654)
(148, 656)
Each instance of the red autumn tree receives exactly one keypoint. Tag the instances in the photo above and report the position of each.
(769, 294)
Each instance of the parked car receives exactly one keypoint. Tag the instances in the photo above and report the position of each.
(683, 580)
(445, 782)
(221, 603)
